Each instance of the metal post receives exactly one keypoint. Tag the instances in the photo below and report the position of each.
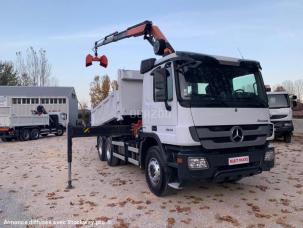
(69, 155)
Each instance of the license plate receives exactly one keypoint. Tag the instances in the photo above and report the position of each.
(238, 160)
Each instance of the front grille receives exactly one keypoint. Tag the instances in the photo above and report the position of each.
(219, 137)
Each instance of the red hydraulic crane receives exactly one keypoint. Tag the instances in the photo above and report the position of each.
(150, 32)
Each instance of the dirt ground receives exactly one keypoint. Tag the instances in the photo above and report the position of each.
(33, 179)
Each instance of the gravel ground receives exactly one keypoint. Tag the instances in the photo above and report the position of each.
(33, 180)
(298, 124)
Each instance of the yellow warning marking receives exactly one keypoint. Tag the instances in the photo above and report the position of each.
(86, 130)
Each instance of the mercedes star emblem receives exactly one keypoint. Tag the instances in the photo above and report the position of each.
(237, 134)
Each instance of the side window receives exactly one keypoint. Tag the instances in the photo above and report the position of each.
(245, 84)
(169, 83)
(14, 100)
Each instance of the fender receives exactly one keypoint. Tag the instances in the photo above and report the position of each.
(148, 140)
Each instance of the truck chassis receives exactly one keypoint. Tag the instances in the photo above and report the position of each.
(122, 146)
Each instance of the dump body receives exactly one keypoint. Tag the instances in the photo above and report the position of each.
(121, 103)
(9, 120)
(24, 121)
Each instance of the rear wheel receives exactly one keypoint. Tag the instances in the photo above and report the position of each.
(156, 172)
(101, 148)
(35, 133)
(111, 160)
(25, 134)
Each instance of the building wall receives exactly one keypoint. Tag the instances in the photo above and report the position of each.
(25, 105)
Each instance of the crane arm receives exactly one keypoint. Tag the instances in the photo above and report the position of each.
(146, 29)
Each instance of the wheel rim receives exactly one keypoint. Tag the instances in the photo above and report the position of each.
(100, 147)
(154, 171)
(25, 135)
(35, 134)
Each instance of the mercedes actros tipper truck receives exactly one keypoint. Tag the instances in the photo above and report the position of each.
(191, 116)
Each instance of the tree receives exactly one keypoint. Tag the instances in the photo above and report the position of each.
(299, 89)
(289, 86)
(114, 85)
(8, 76)
(34, 70)
(99, 89)
(84, 114)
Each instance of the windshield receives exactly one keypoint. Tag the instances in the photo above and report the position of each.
(278, 101)
(215, 85)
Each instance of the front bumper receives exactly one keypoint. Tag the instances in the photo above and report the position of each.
(283, 128)
(218, 167)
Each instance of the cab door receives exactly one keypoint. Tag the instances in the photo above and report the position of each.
(160, 117)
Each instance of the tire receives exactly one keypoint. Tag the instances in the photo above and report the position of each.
(35, 134)
(25, 134)
(60, 131)
(287, 138)
(156, 172)
(111, 160)
(101, 148)
(232, 181)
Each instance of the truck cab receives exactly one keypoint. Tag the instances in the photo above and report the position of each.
(209, 116)
(280, 108)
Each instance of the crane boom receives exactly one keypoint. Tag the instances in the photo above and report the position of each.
(146, 29)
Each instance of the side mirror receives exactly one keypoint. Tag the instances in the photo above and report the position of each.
(147, 65)
(160, 85)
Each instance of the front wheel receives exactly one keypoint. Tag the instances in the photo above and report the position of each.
(156, 172)
(287, 138)
(101, 148)
(60, 131)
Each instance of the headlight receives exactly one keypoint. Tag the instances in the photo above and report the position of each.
(197, 163)
(269, 155)
(288, 124)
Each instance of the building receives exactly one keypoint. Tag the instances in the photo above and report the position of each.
(23, 100)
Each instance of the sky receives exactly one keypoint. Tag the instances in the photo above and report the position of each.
(268, 31)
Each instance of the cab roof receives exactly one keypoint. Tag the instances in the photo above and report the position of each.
(215, 58)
